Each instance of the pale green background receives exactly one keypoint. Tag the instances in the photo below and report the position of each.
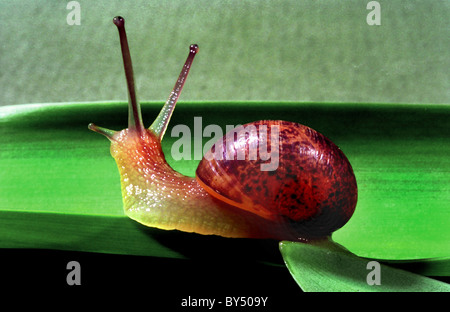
(279, 50)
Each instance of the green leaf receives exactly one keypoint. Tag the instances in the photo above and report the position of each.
(329, 267)
(60, 189)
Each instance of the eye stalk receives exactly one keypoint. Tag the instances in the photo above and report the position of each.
(134, 109)
(135, 123)
(161, 122)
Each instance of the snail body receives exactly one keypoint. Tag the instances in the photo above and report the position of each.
(309, 194)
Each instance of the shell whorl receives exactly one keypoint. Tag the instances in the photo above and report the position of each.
(313, 189)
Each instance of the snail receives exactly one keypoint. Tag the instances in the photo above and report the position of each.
(311, 193)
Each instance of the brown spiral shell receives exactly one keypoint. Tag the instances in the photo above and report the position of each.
(312, 191)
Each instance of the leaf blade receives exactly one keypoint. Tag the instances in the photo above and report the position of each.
(324, 269)
(51, 163)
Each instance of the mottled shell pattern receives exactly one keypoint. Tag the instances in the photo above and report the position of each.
(313, 189)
